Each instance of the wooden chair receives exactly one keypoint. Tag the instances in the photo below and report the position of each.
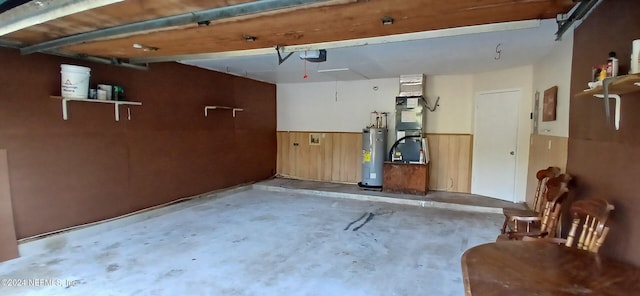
(589, 221)
(543, 176)
(545, 224)
(588, 225)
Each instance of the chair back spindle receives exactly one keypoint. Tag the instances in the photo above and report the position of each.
(557, 189)
(589, 219)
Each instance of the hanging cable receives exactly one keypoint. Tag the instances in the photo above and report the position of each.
(498, 52)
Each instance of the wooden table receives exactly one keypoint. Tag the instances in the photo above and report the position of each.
(542, 268)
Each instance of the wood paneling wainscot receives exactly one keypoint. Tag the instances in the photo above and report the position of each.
(544, 151)
(450, 156)
(337, 158)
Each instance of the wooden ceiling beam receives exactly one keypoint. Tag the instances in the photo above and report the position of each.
(322, 24)
(38, 12)
(199, 17)
(87, 32)
(457, 31)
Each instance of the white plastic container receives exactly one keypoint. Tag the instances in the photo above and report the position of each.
(75, 81)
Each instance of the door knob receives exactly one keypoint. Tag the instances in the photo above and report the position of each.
(512, 153)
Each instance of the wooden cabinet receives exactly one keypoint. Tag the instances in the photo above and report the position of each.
(406, 178)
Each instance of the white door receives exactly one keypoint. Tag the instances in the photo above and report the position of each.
(494, 149)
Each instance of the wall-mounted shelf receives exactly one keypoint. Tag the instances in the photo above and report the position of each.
(613, 88)
(233, 109)
(617, 85)
(65, 114)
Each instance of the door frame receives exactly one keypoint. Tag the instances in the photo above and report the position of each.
(518, 131)
(8, 240)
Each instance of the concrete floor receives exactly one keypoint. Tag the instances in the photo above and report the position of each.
(259, 242)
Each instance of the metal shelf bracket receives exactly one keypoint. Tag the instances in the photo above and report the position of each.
(116, 104)
(233, 109)
(616, 116)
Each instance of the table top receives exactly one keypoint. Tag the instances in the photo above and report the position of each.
(543, 268)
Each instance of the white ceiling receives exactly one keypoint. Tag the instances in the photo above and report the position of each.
(459, 54)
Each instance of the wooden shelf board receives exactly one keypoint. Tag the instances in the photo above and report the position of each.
(622, 85)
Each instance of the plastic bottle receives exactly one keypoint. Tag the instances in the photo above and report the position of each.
(603, 73)
(635, 57)
(612, 65)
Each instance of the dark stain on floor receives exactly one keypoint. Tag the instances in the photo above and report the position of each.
(112, 246)
(54, 261)
(113, 267)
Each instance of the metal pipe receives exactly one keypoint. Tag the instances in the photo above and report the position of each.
(38, 12)
(581, 10)
(170, 21)
(116, 62)
(10, 44)
(101, 60)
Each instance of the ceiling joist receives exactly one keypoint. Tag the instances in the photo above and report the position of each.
(281, 50)
(146, 31)
(38, 12)
(85, 57)
(196, 18)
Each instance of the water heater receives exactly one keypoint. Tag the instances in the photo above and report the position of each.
(374, 151)
(374, 147)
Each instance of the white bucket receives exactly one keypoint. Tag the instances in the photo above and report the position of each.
(75, 81)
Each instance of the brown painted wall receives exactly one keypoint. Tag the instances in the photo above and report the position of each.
(90, 167)
(606, 162)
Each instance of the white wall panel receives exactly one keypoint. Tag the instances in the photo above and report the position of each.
(555, 69)
(333, 106)
(345, 106)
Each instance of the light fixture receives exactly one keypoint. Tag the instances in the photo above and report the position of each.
(387, 20)
(314, 56)
(333, 70)
(144, 47)
(249, 38)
